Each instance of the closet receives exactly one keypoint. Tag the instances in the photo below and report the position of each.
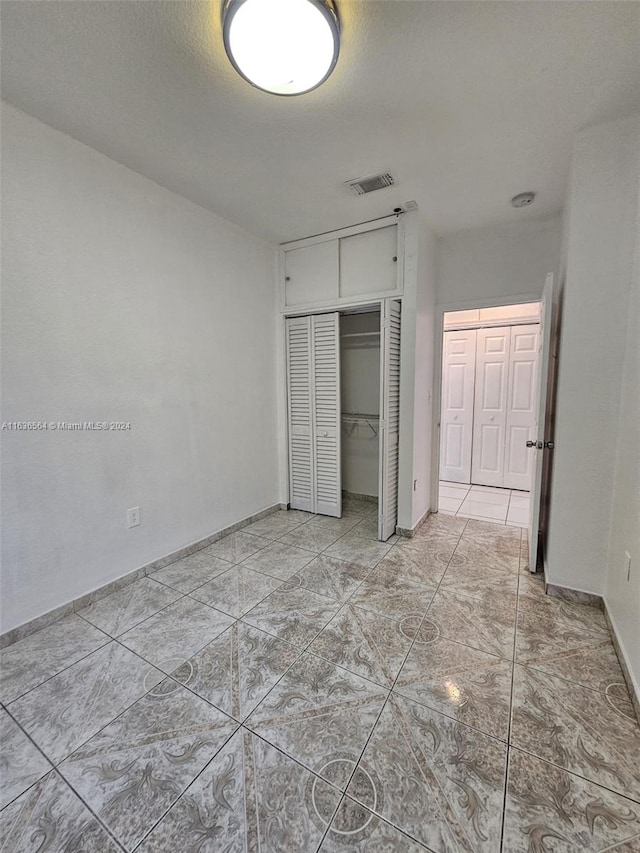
(488, 405)
(343, 404)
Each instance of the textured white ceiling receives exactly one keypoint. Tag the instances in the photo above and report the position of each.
(467, 103)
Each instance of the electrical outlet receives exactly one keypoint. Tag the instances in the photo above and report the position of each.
(627, 564)
(133, 517)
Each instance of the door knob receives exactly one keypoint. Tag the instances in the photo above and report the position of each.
(531, 443)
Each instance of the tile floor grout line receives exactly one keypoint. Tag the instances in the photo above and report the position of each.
(33, 743)
(193, 654)
(166, 676)
(56, 764)
(513, 669)
(379, 817)
(175, 589)
(503, 822)
(99, 820)
(240, 726)
(390, 693)
(302, 652)
(54, 769)
(577, 683)
(357, 764)
(616, 845)
(387, 690)
(109, 639)
(577, 775)
(498, 657)
(232, 615)
(136, 624)
(242, 564)
(184, 791)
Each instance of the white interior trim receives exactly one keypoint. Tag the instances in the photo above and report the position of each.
(360, 228)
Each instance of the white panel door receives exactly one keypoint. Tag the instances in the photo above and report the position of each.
(311, 274)
(299, 399)
(490, 410)
(369, 262)
(456, 419)
(521, 403)
(389, 418)
(325, 335)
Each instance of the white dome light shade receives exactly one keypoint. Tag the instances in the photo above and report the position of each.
(285, 47)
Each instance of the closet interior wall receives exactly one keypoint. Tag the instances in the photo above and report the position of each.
(360, 402)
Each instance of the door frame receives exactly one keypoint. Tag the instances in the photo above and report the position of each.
(441, 309)
(356, 306)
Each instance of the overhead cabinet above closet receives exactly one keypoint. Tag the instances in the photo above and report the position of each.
(343, 269)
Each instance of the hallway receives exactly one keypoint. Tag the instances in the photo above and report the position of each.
(300, 686)
(484, 503)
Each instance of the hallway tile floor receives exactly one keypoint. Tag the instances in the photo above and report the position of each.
(300, 687)
(484, 503)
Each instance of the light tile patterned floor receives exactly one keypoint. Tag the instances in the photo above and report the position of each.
(301, 687)
(484, 503)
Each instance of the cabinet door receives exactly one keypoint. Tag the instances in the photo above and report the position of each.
(299, 371)
(311, 274)
(456, 419)
(369, 262)
(521, 404)
(389, 418)
(313, 384)
(326, 413)
(489, 420)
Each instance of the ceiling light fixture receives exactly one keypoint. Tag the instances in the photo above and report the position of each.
(285, 47)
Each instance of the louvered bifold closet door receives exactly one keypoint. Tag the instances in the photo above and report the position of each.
(325, 330)
(389, 417)
(299, 383)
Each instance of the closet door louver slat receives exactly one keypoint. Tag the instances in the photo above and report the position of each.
(389, 416)
(326, 413)
(299, 366)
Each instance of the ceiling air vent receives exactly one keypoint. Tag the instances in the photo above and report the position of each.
(360, 186)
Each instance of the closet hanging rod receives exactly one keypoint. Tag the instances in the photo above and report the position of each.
(357, 416)
(360, 335)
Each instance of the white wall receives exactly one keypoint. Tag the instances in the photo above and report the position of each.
(498, 262)
(123, 301)
(602, 222)
(423, 380)
(623, 596)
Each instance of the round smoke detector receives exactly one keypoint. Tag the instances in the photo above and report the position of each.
(523, 200)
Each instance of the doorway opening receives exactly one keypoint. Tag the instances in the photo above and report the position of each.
(488, 413)
(343, 393)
